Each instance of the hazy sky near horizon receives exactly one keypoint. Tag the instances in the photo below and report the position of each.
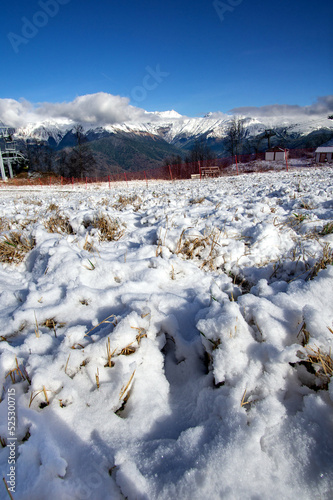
(191, 56)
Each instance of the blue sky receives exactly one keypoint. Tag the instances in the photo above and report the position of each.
(192, 56)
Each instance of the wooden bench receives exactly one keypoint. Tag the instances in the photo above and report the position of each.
(210, 171)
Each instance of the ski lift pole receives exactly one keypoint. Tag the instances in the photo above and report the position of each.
(2, 168)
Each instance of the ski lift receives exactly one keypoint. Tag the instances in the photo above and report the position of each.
(9, 156)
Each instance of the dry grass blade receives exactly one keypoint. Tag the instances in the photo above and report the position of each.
(124, 390)
(244, 402)
(67, 364)
(110, 363)
(106, 320)
(97, 378)
(159, 249)
(305, 334)
(76, 346)
(36, 327)
(27, 377)
(8, 491)
(179, 244)
(13, 247)
(19, 370)
(45, 395)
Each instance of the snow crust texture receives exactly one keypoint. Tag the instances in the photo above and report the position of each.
(170, 341)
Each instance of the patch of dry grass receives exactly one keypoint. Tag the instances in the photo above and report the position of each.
(88, 245)
(305, 205)
(58, 224)
(33, 396)
(4, 224)
(19, 372)
(325, 260)
(128, 350)
(297, 219)
(14, 247)
(51, 323)
(53, 207)
(123, 201)
(110, 229)
(193, 247)
(197, 201)
(322, 363)
(38, 203)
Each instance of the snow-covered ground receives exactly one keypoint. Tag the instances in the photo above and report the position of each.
(187, 357)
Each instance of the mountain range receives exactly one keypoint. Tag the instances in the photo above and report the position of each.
(146, 144)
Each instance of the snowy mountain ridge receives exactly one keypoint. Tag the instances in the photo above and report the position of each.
(174, 128)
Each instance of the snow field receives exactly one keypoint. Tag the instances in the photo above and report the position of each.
(173, 350)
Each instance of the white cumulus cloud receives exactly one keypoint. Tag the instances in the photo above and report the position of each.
(95, 109)
(322, 105)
